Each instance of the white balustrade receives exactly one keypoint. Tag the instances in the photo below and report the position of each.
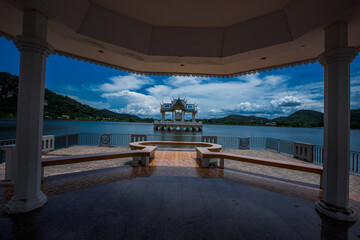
(303, 151)
(48, 143)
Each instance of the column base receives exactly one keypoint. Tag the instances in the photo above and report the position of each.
(25, 205)
(343, 214)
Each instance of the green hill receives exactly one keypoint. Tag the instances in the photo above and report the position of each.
(303, 115)
(55, 106)
(355, 118)
(238, 120)
(120, 115)
(302, 118)
(309, 118)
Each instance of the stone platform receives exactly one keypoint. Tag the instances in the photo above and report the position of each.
(189, 126)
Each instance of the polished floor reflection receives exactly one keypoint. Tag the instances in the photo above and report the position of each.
(173, 199)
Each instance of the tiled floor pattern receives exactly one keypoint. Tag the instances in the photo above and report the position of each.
(175, 207)
(166, 163)
(174, 199)
(65, 178)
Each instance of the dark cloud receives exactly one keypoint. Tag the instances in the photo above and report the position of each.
(290, 104)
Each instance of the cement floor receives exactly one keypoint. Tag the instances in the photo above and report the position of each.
(173, 199)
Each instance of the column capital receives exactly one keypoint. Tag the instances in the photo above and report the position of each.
(27, 43)
(338, 55)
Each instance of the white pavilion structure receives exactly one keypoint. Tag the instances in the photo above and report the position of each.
(178, 107)
(182, 38)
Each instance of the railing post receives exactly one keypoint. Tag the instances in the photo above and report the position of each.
(278, 146)
(10, 161)
(48, 143)
(138, 137)
(209, 139)
(303, 151)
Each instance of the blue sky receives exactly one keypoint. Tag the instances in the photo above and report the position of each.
(270, 94)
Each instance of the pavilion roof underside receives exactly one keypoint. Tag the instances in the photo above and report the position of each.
(206, 38)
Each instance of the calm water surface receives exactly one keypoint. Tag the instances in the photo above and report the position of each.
(308, 135)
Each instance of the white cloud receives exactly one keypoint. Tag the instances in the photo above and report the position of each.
(275, 80)
(247, 107)
(130, 82)
(138, 109)
(184, 81)
(217, 97)
(263, 108)
(256, 94)
(133, 103)
(287, 101)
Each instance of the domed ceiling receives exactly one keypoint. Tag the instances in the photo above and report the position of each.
(182, 37)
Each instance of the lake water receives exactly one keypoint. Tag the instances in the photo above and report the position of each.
(307, 135)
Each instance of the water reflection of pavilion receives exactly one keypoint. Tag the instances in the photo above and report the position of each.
(178, 107)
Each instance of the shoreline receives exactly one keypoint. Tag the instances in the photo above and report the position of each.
(135, 121)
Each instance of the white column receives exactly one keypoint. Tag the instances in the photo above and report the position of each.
(162, 116)
(193, 117)
(34, 49)
(336, 62)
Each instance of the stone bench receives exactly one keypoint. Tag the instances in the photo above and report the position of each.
(205, 155)
(142, 155)
(145, 144)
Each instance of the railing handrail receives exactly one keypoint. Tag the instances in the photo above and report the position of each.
(99, 133)
(351, 151)
(7, 140)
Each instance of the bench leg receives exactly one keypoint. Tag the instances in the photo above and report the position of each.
(205, 162)
(145, 160)
(221, 163)
(135, 161)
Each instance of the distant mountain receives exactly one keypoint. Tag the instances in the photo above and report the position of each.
(8, 95)
(302, 118)
(355, 118)
(55, 106)
(238, 120)
(309, 118)
(120, 115)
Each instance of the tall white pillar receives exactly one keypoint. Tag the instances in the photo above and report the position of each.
(29, 125)
(336, 62)
(193, 117)
(163, 116)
